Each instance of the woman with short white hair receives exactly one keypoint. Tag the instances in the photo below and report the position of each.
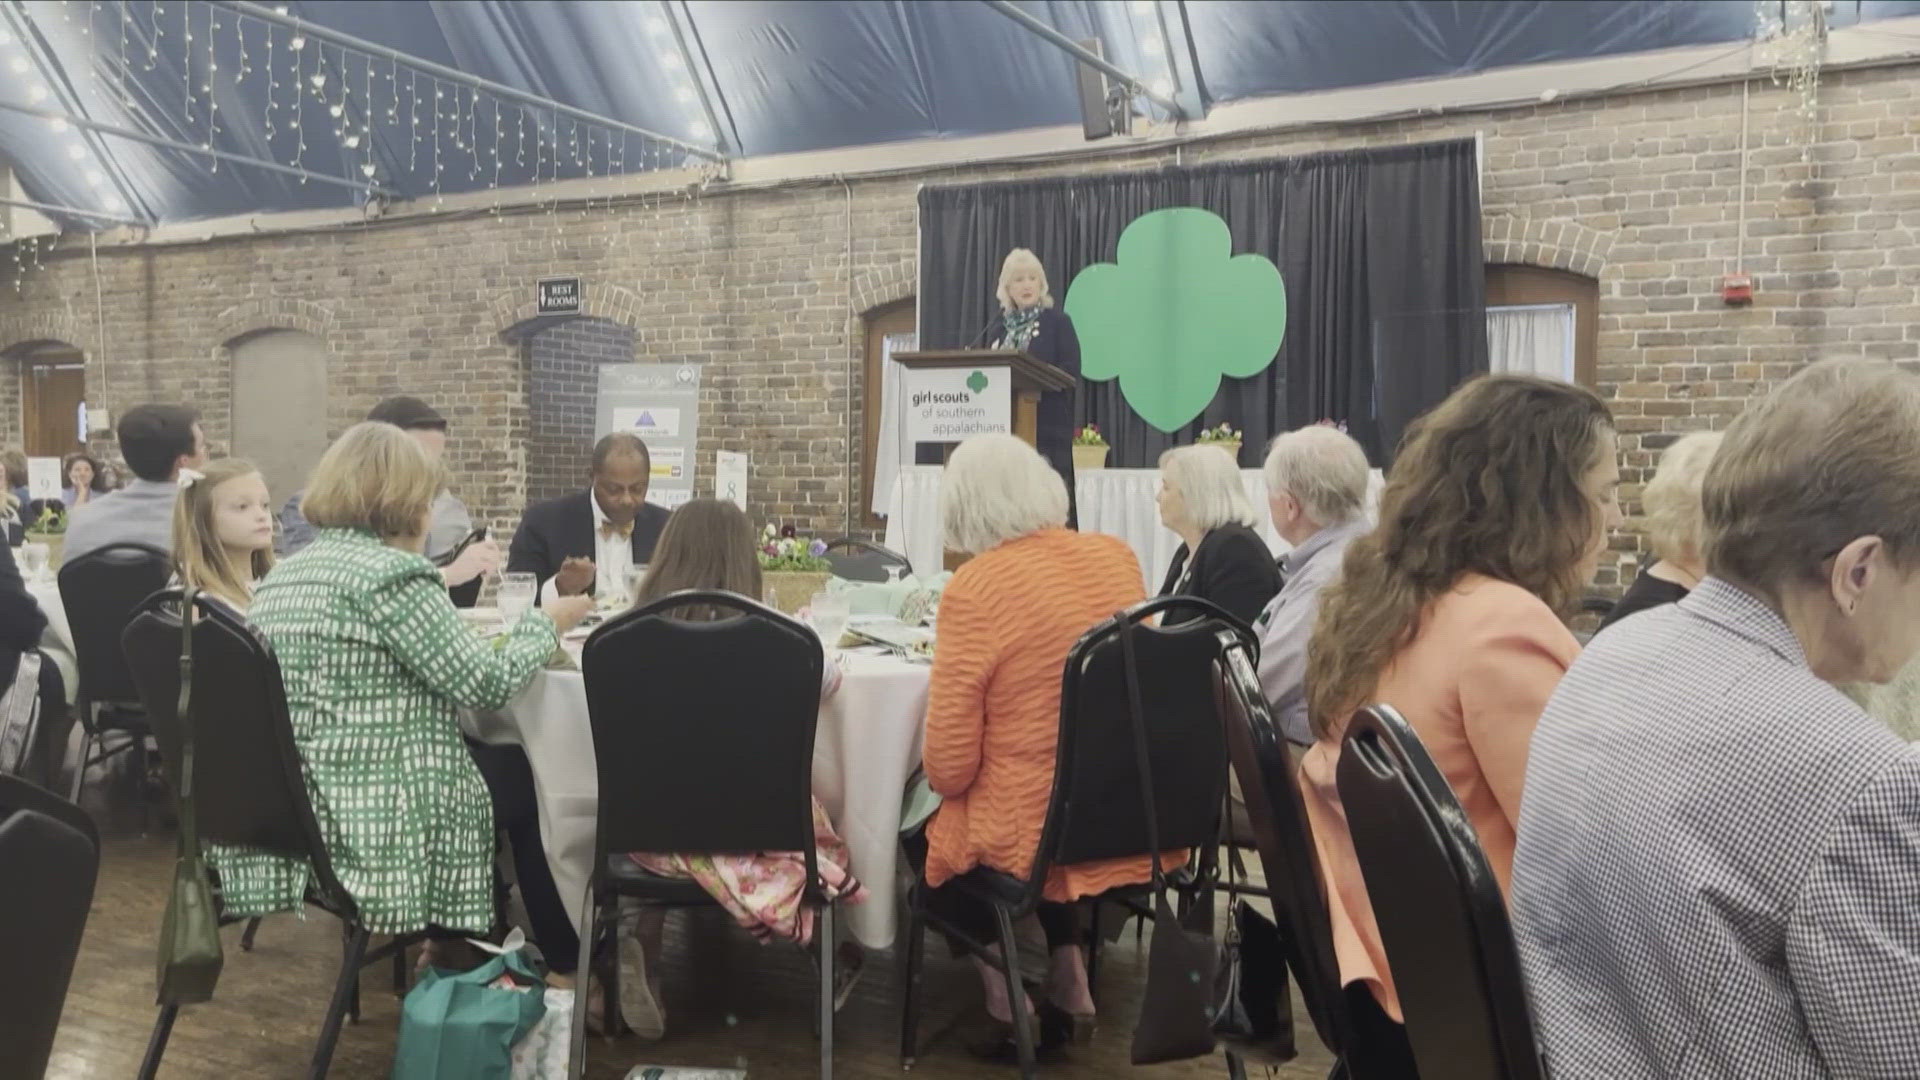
(1030, 322)
(1221, 558)
(1674, 523)
(1008, 618)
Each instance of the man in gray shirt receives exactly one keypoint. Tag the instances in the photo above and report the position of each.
(157, 441)
(1316, 492)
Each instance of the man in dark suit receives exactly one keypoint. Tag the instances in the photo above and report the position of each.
(586, 542)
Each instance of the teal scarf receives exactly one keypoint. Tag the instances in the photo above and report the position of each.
(1018, 327)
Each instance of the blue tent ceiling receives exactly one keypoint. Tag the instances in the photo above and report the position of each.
(784, 76)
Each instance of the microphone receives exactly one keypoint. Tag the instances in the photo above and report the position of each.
(984, 331)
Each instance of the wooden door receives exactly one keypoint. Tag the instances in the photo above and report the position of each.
(53, 390)
(888, 329)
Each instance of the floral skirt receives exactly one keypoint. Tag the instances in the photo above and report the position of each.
(763, 892)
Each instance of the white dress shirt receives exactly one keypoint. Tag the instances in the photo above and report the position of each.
(612, 558)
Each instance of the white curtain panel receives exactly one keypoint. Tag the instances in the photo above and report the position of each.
(890, 450)
(1534, 339)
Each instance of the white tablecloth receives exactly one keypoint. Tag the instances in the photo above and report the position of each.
(1119, 502)
(57, 640)
(866, 746)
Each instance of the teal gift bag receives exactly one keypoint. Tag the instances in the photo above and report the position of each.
(463, 1026)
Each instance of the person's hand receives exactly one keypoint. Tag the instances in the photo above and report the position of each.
(576, 576)
(567, 611)
(480, 557)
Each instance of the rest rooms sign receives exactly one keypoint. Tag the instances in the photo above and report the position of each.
(559, 296)
(947, 405)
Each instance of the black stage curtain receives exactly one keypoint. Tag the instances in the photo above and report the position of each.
(1379, 249)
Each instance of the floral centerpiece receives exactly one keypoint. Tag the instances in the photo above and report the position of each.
(1089, 448)
(1226, 437)
(49, 528)
(792, 569)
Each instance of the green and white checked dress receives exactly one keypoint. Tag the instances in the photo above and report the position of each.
(377, 664)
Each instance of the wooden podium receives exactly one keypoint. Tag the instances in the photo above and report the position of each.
(1028, 377)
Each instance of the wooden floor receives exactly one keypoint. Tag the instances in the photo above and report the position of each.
(729, 1001)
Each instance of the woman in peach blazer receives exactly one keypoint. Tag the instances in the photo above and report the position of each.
(1007, 621)
(1491, 525)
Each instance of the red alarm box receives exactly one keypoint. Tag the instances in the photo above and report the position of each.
(1736, 289)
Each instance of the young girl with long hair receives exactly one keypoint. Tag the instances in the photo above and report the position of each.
(1452, 611)
(709, 544)
(223, 531)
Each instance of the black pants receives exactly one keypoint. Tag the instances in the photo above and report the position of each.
(974, 917)
(510, 783)
(49, 757)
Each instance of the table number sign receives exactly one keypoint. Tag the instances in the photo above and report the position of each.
(43, 478)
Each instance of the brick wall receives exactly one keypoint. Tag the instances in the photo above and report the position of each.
(563, 380)
(766, 286)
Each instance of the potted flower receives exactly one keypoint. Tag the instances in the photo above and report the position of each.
(1225, 437)
(792, 569)
(1089, 448)
(50, 528)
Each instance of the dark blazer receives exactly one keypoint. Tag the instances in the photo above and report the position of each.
(1233, 568)
(21, 619)
(560, 529)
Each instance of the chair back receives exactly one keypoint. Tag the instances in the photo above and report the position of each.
(50, 853)
(1098, 809)
(100, 591)
(863, 560)
(1266, 769)
(703, 727)
(249, 787)
(1442, 918)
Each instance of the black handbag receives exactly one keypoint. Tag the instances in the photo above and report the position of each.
(1176, 1009)
(1252, 1010)
(189, 955)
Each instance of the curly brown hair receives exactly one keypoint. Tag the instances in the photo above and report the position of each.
(1487, 482)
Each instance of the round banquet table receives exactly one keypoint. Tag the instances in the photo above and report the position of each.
(866, 746)
(56, 641)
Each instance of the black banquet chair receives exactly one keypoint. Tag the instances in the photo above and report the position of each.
(248, 783)
(100, 591)
(1097, 809)
(1366, 1045)
(668, 700)
(1442, 918)
(50, 856)
(863, 560)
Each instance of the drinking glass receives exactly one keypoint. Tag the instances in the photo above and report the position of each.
(894, 570)
(33, 560)
(636, 577)
(830, 613)
(517, 592)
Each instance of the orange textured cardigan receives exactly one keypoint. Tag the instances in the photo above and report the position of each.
(1008, 619)
(1472, 683)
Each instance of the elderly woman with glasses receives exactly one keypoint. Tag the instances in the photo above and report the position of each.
(1221, 558)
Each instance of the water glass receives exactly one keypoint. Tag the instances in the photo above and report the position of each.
(517, 592)
(830, 614)
(636, 577)
(33, 560)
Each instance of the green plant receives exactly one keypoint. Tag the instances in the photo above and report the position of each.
(51, 522)
(1222, 434)
(1089, 436)
(783, 552)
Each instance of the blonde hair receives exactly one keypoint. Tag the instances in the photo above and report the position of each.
(1672, 498)
(375, 476)
(1831, 455)
(1323, 469)
(1208, 480)
(1017, 260)
(199, 557)
(995, 489)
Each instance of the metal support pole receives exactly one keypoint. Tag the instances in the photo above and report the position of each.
(441, 71)
(203, 151)
(693, 72)
(1072, 48)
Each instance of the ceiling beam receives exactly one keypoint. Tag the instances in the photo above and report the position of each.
(693, 73)
(441, 71)
(1072, 48)
(74, 211)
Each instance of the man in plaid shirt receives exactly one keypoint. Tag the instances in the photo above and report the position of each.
(1718, 871)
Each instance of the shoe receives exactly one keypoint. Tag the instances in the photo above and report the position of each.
(997, 1045)
(1060, 1027)
(640, 994)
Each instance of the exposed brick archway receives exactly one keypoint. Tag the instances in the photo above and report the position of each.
(1555, 244)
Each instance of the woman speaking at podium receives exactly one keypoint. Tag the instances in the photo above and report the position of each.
(1030, 322)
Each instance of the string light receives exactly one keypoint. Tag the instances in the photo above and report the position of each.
(153, 40)
(186, 55)
(413, 121)
(273, 83)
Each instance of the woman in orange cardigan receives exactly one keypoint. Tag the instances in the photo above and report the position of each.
(1491, 525)
(1007, 621)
